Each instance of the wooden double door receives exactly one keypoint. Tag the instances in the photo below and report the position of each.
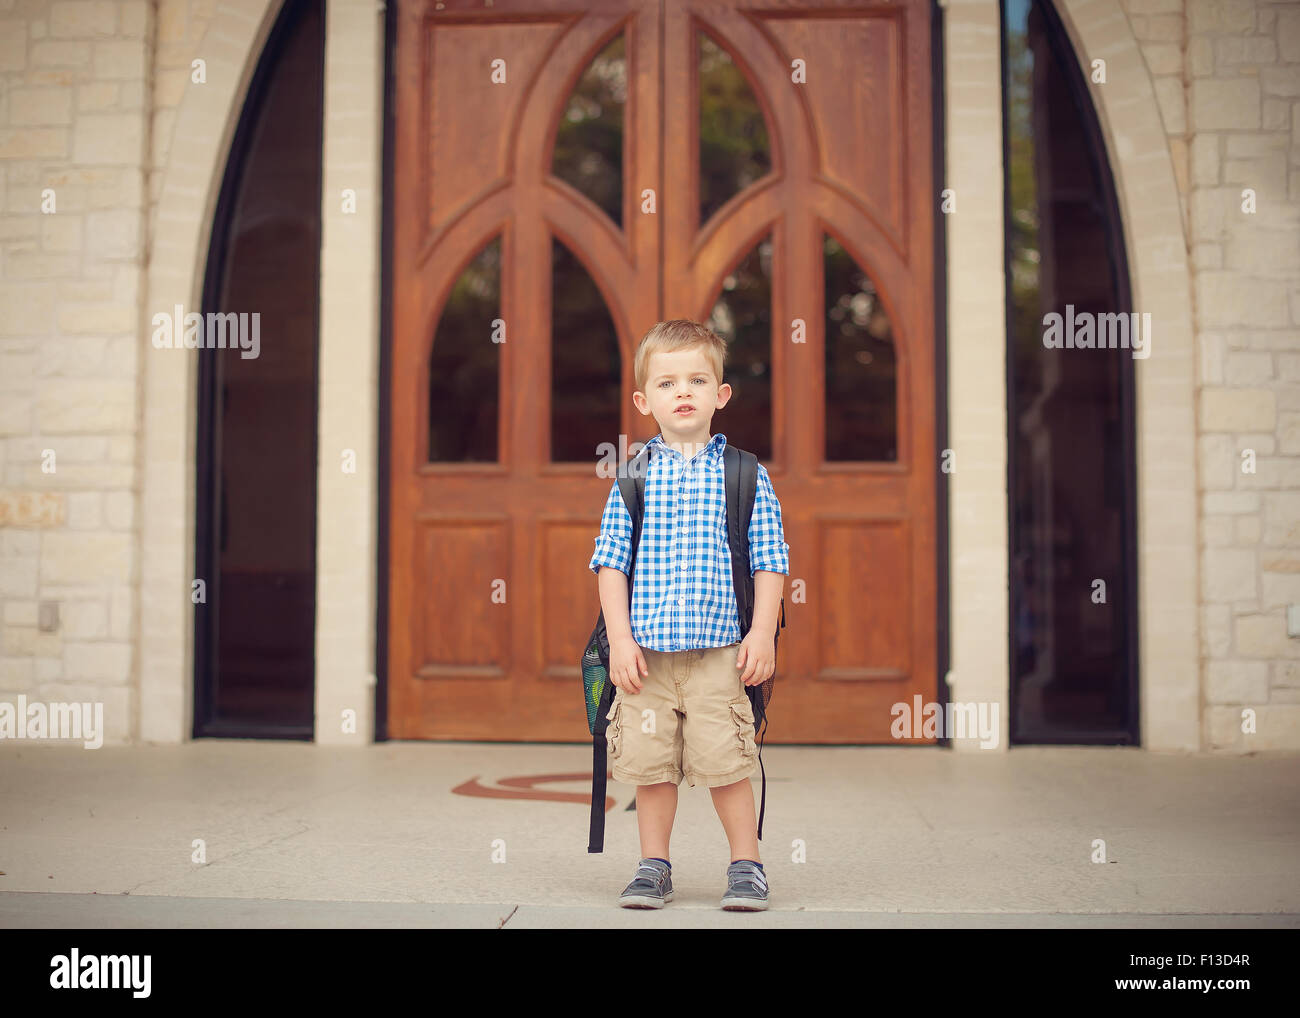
(564, 177)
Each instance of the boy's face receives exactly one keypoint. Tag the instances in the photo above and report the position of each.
(682, 392)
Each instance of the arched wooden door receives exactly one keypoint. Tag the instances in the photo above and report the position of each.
(563, 179)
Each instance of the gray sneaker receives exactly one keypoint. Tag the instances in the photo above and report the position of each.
(650, 888)
(746, 888)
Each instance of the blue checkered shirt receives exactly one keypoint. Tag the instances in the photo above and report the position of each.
(682, 595)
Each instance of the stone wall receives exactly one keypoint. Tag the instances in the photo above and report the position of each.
(90, 92)
(74, 133)
(87, 92)
(1227, 77)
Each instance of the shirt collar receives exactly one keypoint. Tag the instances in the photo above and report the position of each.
(712, 448)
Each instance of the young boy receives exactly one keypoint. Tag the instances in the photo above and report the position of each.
(676, 657)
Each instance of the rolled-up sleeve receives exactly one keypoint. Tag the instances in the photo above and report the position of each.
(767, 547)
(614, 543)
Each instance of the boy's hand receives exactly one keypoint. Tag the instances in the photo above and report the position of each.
(625, 660)
(757, 656)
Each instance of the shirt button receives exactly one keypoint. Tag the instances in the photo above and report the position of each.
(685, 565)
(681, 600)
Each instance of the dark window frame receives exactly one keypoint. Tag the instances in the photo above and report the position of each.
(1098, 154)
(205, 723)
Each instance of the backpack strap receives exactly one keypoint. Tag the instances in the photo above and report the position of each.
(742, 486)
(631, 485)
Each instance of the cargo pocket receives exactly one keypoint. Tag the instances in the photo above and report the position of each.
(742, 713)
(614, 733)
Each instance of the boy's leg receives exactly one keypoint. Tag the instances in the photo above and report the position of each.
(735, 806)
(656, 806)
(719, 749)
(645, 750)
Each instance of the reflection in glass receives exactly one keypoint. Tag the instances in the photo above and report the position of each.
(255, 648)
(734, 148)
(1071, 410)
(585, 362)
(589, 140)
(465, 366)
(861, 370)
(742, 316)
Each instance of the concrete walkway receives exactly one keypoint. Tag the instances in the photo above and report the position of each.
(296, 835)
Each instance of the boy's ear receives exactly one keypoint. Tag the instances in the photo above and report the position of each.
(642, 404)
(724, 394)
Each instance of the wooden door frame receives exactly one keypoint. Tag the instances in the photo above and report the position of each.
(939, 250)
(382, 567)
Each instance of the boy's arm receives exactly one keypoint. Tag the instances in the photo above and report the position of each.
(769, 555)
(613, 603)
(768, 589)
(610, 563)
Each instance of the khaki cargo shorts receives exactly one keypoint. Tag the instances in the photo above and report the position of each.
(691, 719)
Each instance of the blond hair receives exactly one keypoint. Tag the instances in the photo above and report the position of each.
(679, 334)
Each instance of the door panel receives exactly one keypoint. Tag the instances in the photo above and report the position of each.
(487, 576)
(850, 156)
(818, 201)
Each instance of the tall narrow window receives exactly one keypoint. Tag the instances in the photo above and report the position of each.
(861, 369)
(1070, 418)
(465, 365)
(585, 362)
(589, 140)
(742, 315)
(256, 455)
(735, 149)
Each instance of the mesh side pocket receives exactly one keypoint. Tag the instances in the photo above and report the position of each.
(762, 697)
(595, 676)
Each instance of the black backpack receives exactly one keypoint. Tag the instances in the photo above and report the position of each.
(741, 482)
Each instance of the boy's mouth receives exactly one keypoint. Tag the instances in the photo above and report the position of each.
(684, 410)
